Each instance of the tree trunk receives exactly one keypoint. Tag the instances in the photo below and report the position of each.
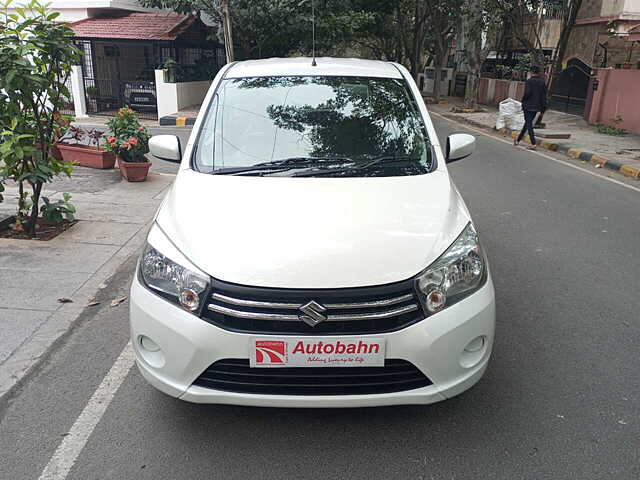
(30, 227)
(415, 64)
(476, 55)
(228, 31)
(438, 61)
(21, 199)
(563, 40)
(472, 88)
(416, 43)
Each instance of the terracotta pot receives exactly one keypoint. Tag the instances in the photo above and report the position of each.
(87, 156)
(134, 171)
(54, 151)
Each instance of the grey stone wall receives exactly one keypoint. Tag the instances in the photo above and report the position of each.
(590, 9)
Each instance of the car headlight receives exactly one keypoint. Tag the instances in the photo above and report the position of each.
(171, 280)
(458, 272)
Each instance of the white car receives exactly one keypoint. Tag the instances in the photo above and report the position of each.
(313, 250)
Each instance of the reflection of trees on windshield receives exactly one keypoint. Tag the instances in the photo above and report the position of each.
(263, 119)
(364, 118)
(270, 82)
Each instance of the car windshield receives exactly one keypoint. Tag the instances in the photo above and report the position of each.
(313, 126)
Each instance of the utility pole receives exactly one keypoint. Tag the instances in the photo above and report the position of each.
(228, 31)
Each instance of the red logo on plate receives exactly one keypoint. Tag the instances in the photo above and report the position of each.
(269, 352)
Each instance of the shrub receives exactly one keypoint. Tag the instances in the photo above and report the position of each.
(57, 211)
(36, 55)
(612, 129)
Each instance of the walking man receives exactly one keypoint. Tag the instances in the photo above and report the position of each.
(534, 100)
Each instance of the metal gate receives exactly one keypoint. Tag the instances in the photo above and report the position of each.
(118, 74)
(570, 87)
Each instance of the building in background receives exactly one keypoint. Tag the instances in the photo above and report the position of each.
(74, 10)
(601, 33)
(124, 45)
(122, 51)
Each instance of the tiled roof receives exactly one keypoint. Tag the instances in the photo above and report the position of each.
(134, 26)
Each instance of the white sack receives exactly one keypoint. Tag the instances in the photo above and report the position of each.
(510, 115)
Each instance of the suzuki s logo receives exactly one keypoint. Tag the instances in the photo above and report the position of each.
(313, 313)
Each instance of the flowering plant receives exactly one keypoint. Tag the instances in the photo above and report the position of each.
(129, 139)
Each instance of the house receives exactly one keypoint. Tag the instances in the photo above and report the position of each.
(599, 39)
(122, 50)
(600, 35)
(74, 10)
(124, 46)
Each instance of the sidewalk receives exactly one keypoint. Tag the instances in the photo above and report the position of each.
(585, 143)
(113, 219)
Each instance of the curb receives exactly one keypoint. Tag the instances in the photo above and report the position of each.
(174, 121)
(570, 151)
(30, 356)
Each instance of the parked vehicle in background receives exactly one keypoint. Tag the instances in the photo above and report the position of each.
(140, 94)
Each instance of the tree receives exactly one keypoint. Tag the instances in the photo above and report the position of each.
(412, 17)
(523, 23)
(276, 28)
(228, 30)
(569, 11)
(36, 55)
(383, 38)
(480, 27)
(444, 19)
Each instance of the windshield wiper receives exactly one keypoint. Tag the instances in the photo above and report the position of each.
(364, 166)
(284, 165)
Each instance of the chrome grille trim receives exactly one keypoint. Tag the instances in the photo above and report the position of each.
(330, 318)
(372, 304)
(254, 303)
(373, 316)
(252, 315)
(295, 306)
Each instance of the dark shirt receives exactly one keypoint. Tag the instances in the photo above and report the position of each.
(535, 95)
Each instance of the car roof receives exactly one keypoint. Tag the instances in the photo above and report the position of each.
(326, 66)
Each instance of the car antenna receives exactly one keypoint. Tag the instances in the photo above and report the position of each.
(313, 32)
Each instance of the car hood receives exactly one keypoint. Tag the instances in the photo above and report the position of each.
(312, 232)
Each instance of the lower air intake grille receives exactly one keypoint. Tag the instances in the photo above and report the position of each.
(235, 375)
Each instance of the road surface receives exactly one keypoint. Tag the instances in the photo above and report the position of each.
(560, 400)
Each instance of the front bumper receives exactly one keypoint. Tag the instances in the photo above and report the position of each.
(189, 345)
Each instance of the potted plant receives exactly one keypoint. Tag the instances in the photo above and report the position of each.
(129, 140)
(91, 155)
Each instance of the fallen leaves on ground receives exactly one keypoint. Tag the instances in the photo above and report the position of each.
(117, 301)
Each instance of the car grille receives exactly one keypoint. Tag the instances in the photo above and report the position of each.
(350, 311)
(235, 375)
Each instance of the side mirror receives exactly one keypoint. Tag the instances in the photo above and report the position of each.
(459, 146)
(166, 147)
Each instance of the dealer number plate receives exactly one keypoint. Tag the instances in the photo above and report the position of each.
(317, 352)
